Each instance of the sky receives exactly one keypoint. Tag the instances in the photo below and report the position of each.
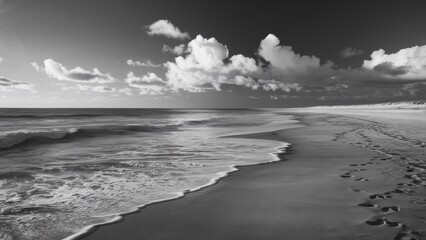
(210, 54)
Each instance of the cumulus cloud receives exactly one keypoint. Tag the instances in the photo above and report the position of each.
(147, 63)
(207, 66)
(408, 63)
(149, 84)
(382, 77)
(166, 28)
(177, 50)
(350, 52)
(57, 71)
(283, 59)
(9, 85)
(207, 53)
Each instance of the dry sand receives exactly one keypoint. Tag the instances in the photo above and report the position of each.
(346, 178)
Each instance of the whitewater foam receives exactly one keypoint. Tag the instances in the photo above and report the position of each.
(119, 216)
(107, 167)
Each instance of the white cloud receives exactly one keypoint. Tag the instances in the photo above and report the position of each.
(126, 91)
(36, 67)
(9, 85)
(204, 68)
(103, 89)
(273, 85)
(177, 50)
(89, 88)
(244, 81)
(408, 63)
(207, 53)
(147, 63)
(283, 59)
(350, 52)
(56, 70)
(149, 84)
(167, 29)
(242, 64)
(206, 65)
(1, 59)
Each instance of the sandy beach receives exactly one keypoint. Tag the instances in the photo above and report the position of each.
(343, 178)
(231, 120)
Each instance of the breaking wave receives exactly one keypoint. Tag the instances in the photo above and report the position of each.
(15, 138)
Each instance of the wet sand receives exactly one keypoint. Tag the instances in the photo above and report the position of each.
(334, 184)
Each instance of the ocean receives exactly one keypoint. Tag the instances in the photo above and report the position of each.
(65, 170)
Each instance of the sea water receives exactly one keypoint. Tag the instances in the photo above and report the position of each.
(62, 170)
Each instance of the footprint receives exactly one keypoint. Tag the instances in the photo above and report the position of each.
(391, 209)
(393, 224)
(367, 205)
(409, 176)
(399, 191)
(405, 184)
(375, 196)
(377, 222)
(361, 179)
(346, 175)
(378, 196)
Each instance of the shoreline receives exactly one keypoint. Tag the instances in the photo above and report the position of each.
(328, 190)
(117, 218)
(215, 221)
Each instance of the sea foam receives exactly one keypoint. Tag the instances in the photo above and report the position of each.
(90, 171)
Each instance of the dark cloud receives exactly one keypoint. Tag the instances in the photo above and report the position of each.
(390, 69)
(82, 76)
(8, 84)
(350, 52)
